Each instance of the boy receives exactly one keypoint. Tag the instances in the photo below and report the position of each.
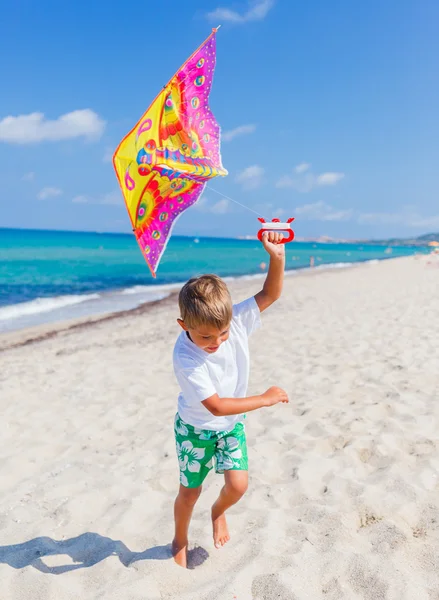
(211, 363)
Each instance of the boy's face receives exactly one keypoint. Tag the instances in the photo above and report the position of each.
(207, 337)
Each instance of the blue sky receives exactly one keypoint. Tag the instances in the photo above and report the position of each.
(328, 111)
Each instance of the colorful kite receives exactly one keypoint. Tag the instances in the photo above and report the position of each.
(163, 164)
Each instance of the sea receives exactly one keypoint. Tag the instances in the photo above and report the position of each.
(51, 276)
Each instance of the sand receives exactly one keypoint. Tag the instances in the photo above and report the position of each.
(344, 481)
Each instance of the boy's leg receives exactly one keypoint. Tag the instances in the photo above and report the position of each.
(195, 450)
(236, 484)
(183, 508)
(231, 459)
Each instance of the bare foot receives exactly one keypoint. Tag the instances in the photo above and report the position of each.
(220, 530)
(179, 552)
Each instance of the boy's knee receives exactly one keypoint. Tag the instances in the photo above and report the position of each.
(190, 495)
(237, 488)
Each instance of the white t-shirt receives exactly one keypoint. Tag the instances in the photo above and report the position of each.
(225, 372)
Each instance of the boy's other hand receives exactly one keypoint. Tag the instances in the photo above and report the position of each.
(270, 241)
(274, 395)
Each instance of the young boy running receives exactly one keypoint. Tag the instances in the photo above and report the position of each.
(211, 363)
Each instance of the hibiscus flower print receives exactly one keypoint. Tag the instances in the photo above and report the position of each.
(203, 434)
(229, 453)
(189, 457)
(180, 427)
(183, 480)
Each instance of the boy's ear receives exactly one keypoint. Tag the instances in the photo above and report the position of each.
(182, 325)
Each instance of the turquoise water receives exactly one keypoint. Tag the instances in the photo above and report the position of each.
(49, 275)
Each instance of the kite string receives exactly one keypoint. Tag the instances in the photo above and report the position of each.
(232, 200)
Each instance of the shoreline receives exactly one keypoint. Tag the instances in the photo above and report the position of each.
(39, 333)
(97, 279)
(29, 335)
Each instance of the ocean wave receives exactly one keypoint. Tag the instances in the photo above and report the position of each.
(150, 289)
(42, 305)
(136, 289)
(339, 265)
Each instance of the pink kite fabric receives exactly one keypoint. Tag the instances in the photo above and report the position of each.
(164, 162)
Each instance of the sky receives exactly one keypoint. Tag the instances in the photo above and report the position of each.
(328, 110)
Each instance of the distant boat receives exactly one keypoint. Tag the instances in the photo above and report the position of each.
(388, 251)
(196, 241)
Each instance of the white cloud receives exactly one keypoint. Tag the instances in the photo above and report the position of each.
(221, 207)
(112, 198)
(251, 177)
(329, 178)
(320, 211)
(279, 212)
(231, 134)
(425, 222)
(302, 167)
(302, 184)
(49, 192)
(29, 176)
(34, 128)
(408, 216)
(303, 181)
(257, 11)
(338, 215)
(286, 181)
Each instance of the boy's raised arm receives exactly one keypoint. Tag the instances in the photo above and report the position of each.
(273, 285)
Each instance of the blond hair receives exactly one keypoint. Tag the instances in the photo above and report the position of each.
(205, 300)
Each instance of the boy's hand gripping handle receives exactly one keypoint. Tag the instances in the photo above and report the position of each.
(276, 225)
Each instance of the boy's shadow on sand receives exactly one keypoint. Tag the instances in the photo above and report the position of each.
(85, 550)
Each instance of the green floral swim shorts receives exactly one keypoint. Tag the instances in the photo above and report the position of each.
(198, 449)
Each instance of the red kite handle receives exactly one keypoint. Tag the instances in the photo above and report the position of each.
(277, 226)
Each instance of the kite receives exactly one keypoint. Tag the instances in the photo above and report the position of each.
(164, 162)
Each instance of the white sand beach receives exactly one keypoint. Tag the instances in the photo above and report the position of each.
(343, 502)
